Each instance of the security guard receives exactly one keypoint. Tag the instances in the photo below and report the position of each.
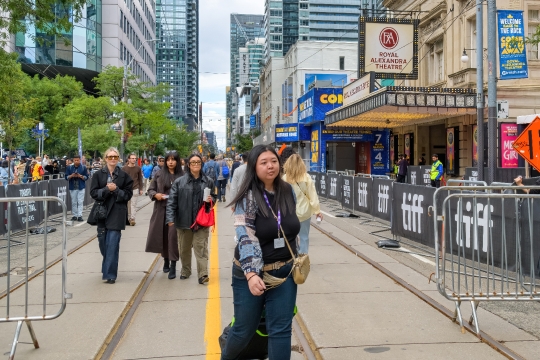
(436, 171)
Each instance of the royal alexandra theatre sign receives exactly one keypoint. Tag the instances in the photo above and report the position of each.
(388, 47)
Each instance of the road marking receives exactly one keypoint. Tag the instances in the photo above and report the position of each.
(327, 214)
(81, 224)
(421, 258)
(212, 329)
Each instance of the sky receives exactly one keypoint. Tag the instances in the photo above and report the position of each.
(214, 43)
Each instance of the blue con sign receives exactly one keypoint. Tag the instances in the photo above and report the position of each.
(512, 52)
(314, 104)
(287, 133)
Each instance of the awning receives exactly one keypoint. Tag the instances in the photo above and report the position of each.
(396, 106)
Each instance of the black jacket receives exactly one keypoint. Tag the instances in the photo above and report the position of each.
(116, 201)
(186, 198)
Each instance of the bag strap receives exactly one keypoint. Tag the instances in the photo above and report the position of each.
(284, 236)
(297, 184)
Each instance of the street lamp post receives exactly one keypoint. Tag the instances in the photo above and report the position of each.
(125, 98)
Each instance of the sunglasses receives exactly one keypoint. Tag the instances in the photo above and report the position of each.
(113, 157)
(195, 162)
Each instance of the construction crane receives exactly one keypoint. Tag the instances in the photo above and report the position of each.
(241, 28)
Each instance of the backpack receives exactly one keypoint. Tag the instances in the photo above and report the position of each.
(224, 169)
(211, 171)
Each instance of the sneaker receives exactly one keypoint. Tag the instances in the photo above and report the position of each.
(80, 219)
(111, 281)
(183, 277)
(74, 218)
(204, 279)
(223, 199)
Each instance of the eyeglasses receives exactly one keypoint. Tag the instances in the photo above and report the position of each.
(113, 157)
(195, 162)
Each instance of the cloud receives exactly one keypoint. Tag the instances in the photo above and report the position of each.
(214, 56)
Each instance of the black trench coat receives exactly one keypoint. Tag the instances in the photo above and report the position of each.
(162, 239)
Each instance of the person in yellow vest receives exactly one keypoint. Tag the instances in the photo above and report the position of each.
(436, 171)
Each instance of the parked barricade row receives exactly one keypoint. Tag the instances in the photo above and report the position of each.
(17, 304)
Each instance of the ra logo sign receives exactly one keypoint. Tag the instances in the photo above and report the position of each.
(389, 38)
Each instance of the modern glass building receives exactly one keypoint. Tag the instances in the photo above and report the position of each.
(178, 56)
(77, 52)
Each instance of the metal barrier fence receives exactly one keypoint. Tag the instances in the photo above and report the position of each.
(16, 300)
(485, 241)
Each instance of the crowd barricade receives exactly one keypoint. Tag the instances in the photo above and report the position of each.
(484, 236)
(52, 304)
(419, 175)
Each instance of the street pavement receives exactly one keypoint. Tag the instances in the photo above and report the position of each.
(350, 309)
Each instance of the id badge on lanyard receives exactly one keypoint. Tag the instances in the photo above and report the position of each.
(280, 241)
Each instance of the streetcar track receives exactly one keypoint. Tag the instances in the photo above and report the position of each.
(482, 336)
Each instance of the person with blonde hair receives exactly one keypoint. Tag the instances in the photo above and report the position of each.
(307, 200)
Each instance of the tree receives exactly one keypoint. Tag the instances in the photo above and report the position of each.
(16, 107)
(182, 141)
(243, 143)
(534, 39)
(51, 17)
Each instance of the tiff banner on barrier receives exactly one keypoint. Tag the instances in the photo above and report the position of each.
(363, 188)
(347, 192)
(382, 198)
(334, 192)
(314, 178)
(19, 218)
(59, 188)
(419, 175)
(322, 188)
(410, 212)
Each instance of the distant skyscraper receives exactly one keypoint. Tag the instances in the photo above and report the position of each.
(178, 57)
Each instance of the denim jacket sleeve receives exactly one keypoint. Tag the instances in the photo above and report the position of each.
(249, 247)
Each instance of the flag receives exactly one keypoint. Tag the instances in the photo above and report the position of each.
(80, 142)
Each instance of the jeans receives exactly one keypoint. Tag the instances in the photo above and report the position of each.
(304, 236)
(401, 178)
(279, 305)
(77, 202)
(109, 246)
(222, 187)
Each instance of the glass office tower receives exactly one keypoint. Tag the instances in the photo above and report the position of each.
(177, 57)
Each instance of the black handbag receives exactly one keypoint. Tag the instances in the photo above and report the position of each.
(99, 211)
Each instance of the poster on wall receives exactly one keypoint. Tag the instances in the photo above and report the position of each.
(380, 152)
(287, 133)
(512, 51)
(314, 104)
(392, 151)
(509, 156)
(450, 151)
(475, 145)
(316, 163)
(408, 145)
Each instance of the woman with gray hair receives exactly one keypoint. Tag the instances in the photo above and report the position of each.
(111, 188)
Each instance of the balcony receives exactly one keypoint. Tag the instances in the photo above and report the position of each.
(465, 78)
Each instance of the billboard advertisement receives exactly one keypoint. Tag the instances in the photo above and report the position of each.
(330, 79)
(244, 65)
(512, 52)
(380, 152)
(286, 133)
(317, 161)
(314, 104)
(393, 48)
(509, 156)
(451, 151)
(408, 145)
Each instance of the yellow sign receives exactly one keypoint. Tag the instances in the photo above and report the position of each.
(331, 99)
(315, 146)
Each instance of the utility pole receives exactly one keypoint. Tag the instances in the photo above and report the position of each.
(480, 87)
(492, 89)
(122, 134)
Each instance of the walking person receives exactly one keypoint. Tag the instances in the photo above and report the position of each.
(235, 165)
(159, 166)
(307, 200)
(403, 168)
(238, 177)
(264, 204)
(135, 172)
(185, 200)
(6, 175)
(163, 239)
(147, 174)
(211, 168)
(437, 171)
(112, 187)
(37, 170)
(77, 174)
(223, 178)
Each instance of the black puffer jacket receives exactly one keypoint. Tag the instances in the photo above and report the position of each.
(186, 198)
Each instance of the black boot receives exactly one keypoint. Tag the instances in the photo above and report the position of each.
(172, 272)
(166, 265)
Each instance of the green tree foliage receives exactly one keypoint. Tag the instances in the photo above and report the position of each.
(534, 39)
(181, 140)
(16, 108)
(243, 143)
(49, 16)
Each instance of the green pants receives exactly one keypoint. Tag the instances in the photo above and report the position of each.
(198, 240)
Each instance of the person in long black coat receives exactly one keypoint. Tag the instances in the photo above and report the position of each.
(161, 238)
(112, 187)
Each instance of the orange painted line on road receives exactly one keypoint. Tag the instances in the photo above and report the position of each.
(212, 329)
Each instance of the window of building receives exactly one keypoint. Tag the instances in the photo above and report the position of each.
(436, 62)
(534, 22)
(342, 63)
(304, 22)
(303, 5)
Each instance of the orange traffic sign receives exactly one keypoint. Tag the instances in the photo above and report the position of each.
(528, 144)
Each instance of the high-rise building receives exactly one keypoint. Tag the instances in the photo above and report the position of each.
(177, 56)
(243, 29)
(288, 21)
(109, 33)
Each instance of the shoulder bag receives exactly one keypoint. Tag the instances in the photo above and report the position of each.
(205, 218)
(99, 211)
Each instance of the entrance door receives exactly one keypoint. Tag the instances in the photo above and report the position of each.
(363, 157)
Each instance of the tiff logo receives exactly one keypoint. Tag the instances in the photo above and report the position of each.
(383, 196)
(468, 222)
(346, 191)
(362, 194)
(333, 187)
(62, 192)
(412, 212)
(413, 177)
